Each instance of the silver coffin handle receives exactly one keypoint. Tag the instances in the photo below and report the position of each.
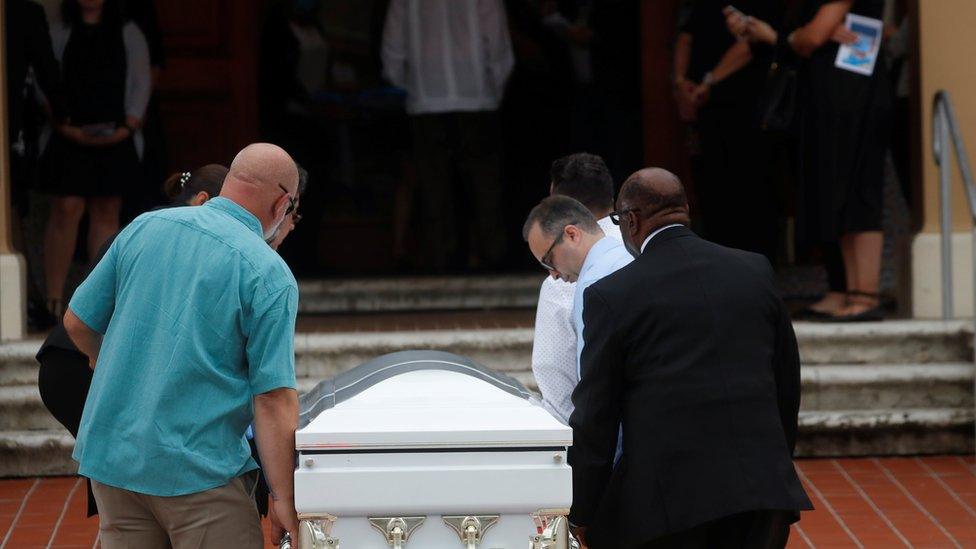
(471, 528)
(396, 530)
(314, 533)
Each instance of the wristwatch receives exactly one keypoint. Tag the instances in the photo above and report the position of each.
(708, 79)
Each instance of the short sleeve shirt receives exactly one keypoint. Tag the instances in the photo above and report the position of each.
(198, 316)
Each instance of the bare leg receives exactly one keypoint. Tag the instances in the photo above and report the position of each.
(103, 215)
(59, 242)
(866, 252)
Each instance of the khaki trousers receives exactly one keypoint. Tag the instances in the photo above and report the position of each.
(225, 516)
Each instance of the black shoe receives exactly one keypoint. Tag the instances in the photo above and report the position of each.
(873, 314)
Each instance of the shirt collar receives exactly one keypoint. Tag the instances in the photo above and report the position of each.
(238, 212)
(655, 233)
(592, 256)
(607, 225)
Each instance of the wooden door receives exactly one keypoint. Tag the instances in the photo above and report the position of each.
(208, 90)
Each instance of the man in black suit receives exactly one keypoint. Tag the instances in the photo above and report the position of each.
(690, 353)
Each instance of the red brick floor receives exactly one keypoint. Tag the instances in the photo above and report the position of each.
(925, 502)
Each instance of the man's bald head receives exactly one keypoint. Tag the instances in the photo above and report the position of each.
(265, 165)
(654, 191)
(651, 198)
(263, 179)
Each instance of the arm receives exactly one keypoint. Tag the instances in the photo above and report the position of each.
(786, 370)
(737, 56)
(88, 341)
(499, 58)
(138, 81)
(596, 420)
(275, 422)
(682, 57)
(93, 304)
(810, 37)
(554, 348)
(271, 371)
(394, 48)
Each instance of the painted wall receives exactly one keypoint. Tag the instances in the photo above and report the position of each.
(947, 47)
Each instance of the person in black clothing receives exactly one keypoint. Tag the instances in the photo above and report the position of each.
(64, 375)
(689, 352)
(28, 46)
(718, 80)
(843, 138)
(92, 157)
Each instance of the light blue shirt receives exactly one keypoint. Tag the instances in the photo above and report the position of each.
(605, 257)
(198, 314)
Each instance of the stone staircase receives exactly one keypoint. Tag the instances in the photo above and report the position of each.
(896, 387)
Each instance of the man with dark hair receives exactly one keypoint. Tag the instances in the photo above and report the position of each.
(585, 178)
(568, 242)
(691, 358)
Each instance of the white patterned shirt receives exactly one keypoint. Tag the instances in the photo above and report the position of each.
(554, 348)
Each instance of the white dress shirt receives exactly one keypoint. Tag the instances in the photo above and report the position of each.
(450, 55)
(554, 348)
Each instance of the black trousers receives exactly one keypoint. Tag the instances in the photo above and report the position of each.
(462, 147)
(750, 530)
(63, 381)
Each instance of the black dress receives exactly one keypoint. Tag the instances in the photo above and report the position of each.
(734, 184)
(94, 70)
(844, 122)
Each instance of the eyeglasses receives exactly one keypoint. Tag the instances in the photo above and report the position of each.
(615, 215)
(292, 200)
(545, 261)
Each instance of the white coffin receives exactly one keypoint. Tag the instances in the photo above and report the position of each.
(425, 435)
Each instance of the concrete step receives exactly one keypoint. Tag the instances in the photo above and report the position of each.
(36, 453)
(837, 433)
(510, 349)
(419, 293)
(825, 388)
(885, 432)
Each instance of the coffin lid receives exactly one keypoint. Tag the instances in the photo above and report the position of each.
(424, 400)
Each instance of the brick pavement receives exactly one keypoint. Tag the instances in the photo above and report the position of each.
(927, 502)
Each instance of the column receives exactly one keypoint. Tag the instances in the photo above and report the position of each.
(13, 269)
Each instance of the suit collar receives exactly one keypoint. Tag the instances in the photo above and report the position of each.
(666, 236)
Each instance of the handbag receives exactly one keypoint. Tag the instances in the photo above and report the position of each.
(779, 98)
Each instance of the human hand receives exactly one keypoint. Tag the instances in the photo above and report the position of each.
(843, 35)
(579, 532)
(283, 519)
(701, 94)
(736, 21)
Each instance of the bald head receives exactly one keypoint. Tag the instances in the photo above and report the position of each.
(650, 199)
(265, 165)
(263, 179)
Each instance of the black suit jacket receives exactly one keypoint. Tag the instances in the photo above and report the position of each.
(692, 351)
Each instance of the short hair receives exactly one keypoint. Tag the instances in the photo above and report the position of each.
(554, 213)
(653, 198)
(302, 179)
(584, 177)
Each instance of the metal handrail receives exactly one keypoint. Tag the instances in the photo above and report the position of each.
(944, 127)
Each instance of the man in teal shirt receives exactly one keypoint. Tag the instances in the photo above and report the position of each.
(189, 323)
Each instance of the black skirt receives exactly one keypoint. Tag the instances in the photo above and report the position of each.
(63, 381)
(844, 125)
(71, 169)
